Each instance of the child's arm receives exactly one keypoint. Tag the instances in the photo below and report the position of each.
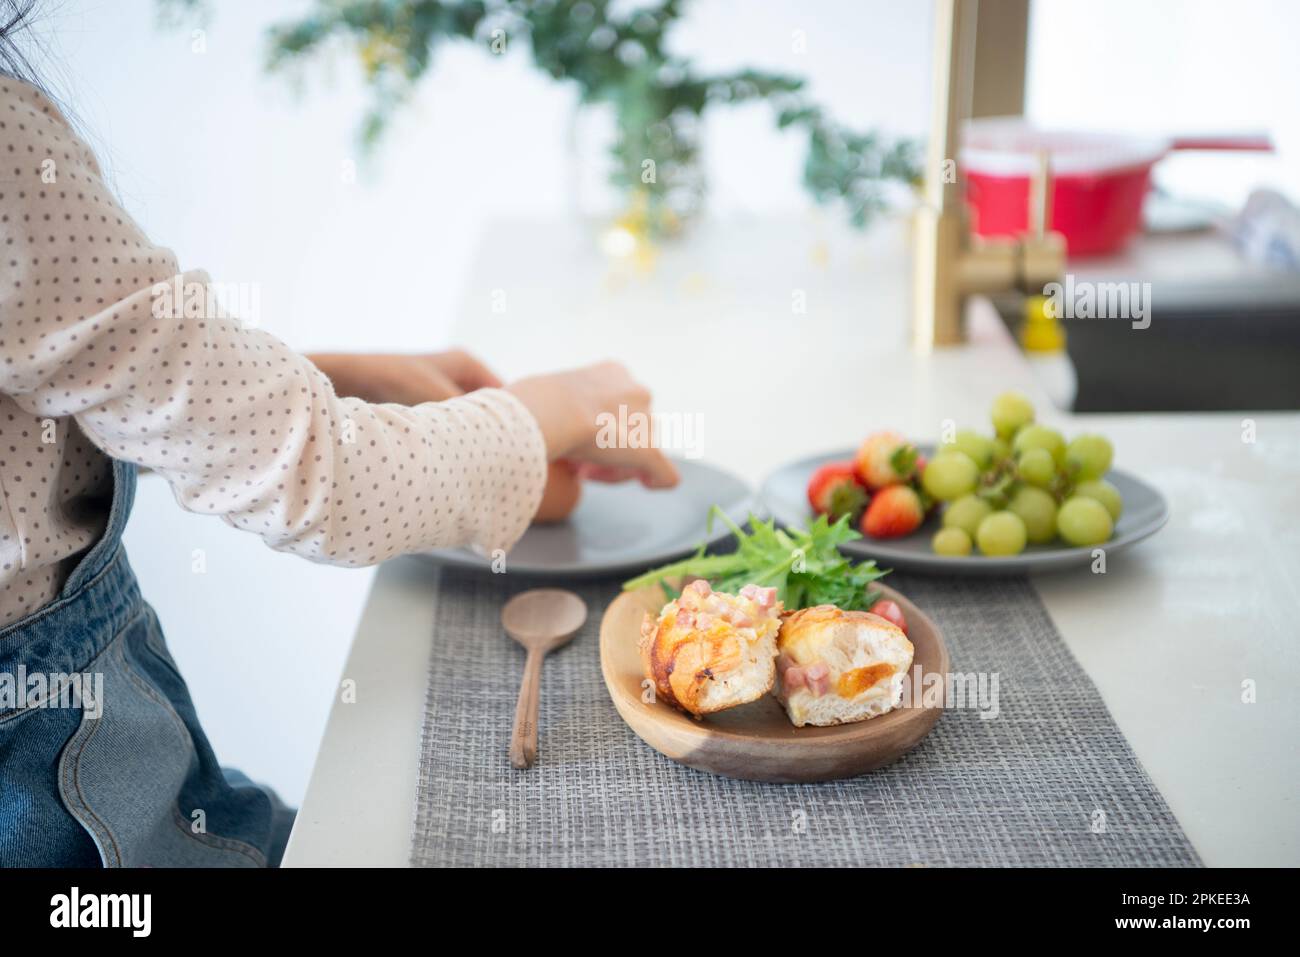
(239, 424)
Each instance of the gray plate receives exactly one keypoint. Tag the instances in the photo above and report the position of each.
(784, 496)
(623, 528)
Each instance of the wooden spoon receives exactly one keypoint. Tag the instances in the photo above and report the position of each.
(541, 620)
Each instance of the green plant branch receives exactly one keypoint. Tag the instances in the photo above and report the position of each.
(615, 56)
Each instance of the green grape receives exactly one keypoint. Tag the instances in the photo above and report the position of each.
(1084, 521)
(980, 448)
(1037, 509)
(1089, 456)
(1037, 467)
(1002, 533)
(1103, 492)
(1011, 410)
(951, 541)
(966, 513)
(1001, 449)
(1040, 437)
(950, 475)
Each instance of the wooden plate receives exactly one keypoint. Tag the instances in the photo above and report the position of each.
(757, 742)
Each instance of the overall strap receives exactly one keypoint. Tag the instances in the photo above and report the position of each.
(99, 598)
(101, 553)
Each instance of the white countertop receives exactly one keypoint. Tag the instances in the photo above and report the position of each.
(1169, 634)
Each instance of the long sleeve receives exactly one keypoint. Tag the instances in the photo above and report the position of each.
(99, 325)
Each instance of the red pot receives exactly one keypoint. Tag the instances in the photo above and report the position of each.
(1099, 180)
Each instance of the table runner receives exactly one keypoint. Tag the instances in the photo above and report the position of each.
(1050, 781)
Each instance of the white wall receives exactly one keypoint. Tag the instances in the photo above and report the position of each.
(243, 178)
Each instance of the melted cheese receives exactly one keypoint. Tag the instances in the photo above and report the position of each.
(852, 683)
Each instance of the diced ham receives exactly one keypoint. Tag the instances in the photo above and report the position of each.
(815, 677)
(819, 678)
(699, 606)
(762, 597)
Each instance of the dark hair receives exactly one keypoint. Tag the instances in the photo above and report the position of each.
(17, 21)
(14, 17)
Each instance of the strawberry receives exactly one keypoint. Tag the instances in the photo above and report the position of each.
(833, 490)
(885, 458)
(893, 512)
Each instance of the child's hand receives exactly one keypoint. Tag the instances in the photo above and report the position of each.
(571, 408)
(405, 379)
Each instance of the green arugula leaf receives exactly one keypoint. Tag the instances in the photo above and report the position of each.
(805, 566)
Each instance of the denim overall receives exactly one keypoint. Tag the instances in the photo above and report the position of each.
(127, 778)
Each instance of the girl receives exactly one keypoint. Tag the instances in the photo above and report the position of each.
(102, 759)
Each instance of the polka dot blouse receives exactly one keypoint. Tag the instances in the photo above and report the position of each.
(99, 357)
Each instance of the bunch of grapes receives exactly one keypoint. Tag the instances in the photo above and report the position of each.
(1024, 485)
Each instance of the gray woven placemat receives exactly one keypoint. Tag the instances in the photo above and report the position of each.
(1049, 781)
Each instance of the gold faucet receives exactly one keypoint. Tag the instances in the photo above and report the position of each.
(949, 263)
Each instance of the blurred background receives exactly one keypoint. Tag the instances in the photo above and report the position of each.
(262, 178)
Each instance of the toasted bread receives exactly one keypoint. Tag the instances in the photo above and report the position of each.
(708, 651)
(836, 667)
